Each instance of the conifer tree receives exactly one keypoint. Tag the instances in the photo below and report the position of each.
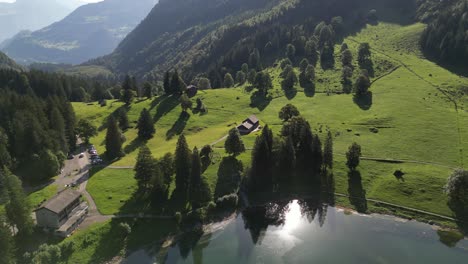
(148, 90)
(183, 164)
(328, 151)
(128, 94)
(17, 207)
(7, 243)
(145, 125)
(114, 139)
(167, 83)
(286, 160)
(200, 192)
(260, 176)
(166, 165)
(234, 144)
(289, 81)
(303, 65)
(145, 167)
(177, 84)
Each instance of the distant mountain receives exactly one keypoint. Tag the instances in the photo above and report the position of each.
(29, 15)
(90, 31)
(7, 63)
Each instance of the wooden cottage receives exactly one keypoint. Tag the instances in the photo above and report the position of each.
(249, 125)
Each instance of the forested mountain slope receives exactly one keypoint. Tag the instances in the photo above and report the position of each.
(90, 31)
(7, 63)
(203, 35)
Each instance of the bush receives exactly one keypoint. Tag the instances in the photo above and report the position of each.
(227, 202)
(125, 229)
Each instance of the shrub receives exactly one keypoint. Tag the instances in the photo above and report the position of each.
(227, 202)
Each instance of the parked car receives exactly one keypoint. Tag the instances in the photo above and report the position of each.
(81, 156)
(70, 156)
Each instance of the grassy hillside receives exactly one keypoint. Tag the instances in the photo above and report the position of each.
(416, 106)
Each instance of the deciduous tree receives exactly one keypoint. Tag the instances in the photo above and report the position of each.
(234, 144)
(353, 156)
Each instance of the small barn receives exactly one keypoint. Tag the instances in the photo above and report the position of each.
(192, 90)
(249, 125)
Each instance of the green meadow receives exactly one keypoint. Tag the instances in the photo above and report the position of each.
(415, 114)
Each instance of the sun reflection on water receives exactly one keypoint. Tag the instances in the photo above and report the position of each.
(293, 217)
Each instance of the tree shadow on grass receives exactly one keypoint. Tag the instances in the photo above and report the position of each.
(109, 244)
(164, 106)
(157, 100)
(290, 94)
(259, 100)
(134, 145)
(309, 90)
(178, 126)
(357, 194)
(229, 177)
(364, 101)
(103, 126)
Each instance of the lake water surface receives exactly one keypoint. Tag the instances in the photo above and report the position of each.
(307, 232)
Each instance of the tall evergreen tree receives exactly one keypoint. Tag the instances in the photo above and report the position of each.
(260, 178)
(166, 165)
(114, 139)
(145, 125)
(199, 193)
(177, 84)
(7, 243)
(263, 82)
(145, 167)
(234, 144)
(286, 160)
(5, 157)
(17, 208)
(167, 83)
(255, 62)
(328, 151)
(148, 90)
(183, 164)
(128, 94)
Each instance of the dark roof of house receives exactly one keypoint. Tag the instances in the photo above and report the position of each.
(246, 125)
(253, 119)
(59, 202)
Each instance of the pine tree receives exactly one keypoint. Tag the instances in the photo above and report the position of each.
(291, 52)
(347, 58)
(260, 176)
(17, 208)
(234, 144)
(255, 62)
(57, 124)
(177, 84)
(166, 166)
(128, 93)
(311, 52)
(182, 162)
(198, 196)
(145, 125)
(286, 160)
(252, 76)
(241, 78)
(145, 167)
(7, 243)
(303, 65)
(353, 156)
(362, 84)
(167, 83)
(5, 157)
(114, 139)
(148, 90)
(289, 81)
(267, 135)
(328, 151)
